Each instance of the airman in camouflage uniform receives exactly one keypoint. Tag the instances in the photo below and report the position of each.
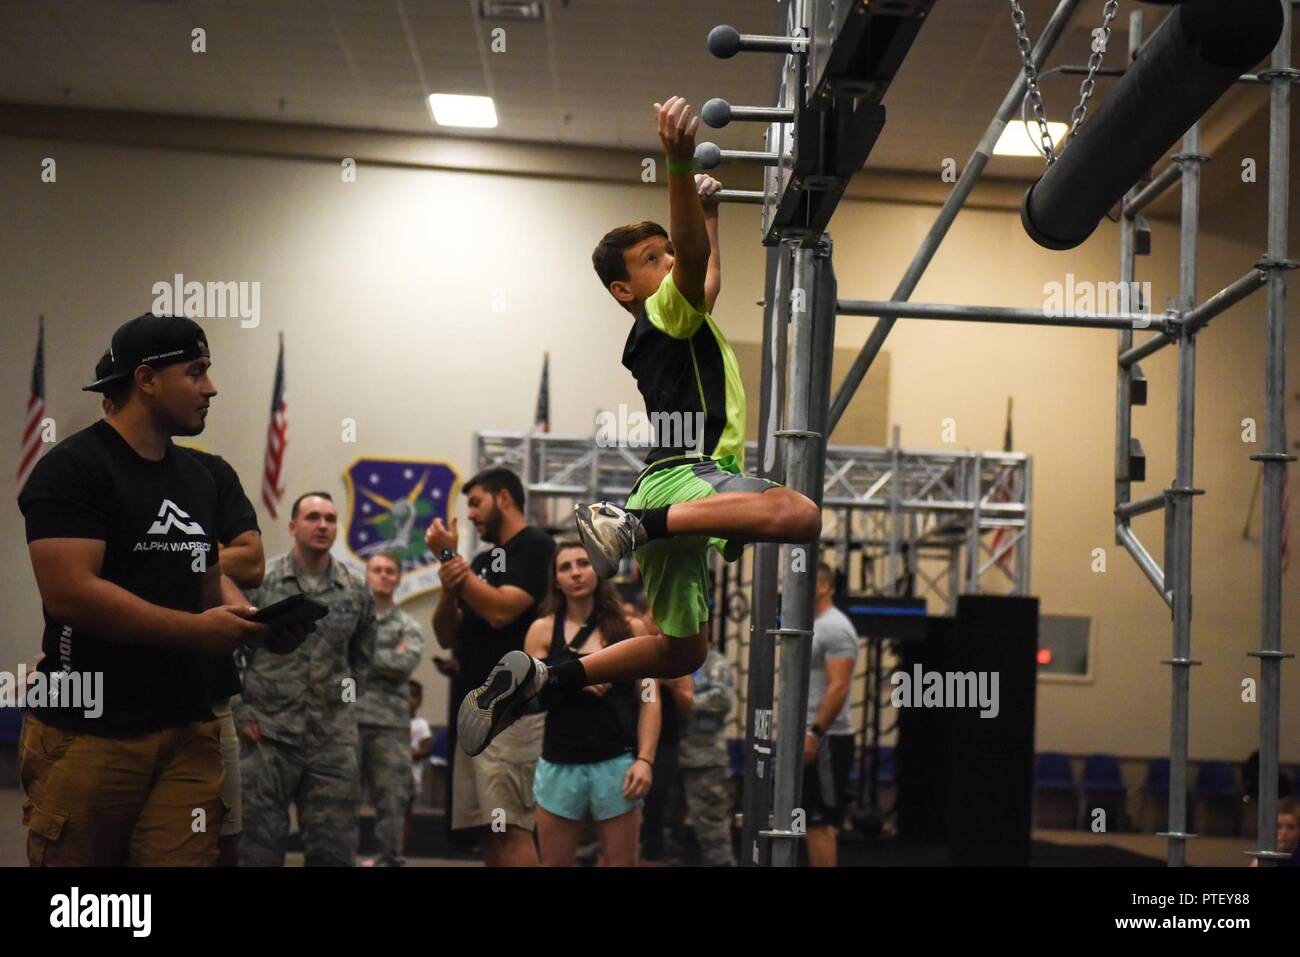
(702, 758)
(384, 725)
(304, 707)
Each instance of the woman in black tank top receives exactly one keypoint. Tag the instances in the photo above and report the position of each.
(599, 743)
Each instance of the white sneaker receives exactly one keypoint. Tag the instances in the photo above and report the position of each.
(511, 691)
(609, 533)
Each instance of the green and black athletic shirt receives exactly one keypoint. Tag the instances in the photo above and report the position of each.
(688, 376)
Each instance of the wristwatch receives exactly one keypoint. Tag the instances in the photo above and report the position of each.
(446, 555)
(816, 729)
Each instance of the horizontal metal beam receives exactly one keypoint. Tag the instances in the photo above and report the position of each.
(1153, 190)
(1152, 503)
(987, 509)
(1153, 571)
(1144, 349)
(1224, 299)
(1118, 72)
(754, 196)
(924, 310)
(718, 113)
(1196, 319)
(710, 156)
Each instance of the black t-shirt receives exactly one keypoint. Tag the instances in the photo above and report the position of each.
(583, 728)
(235, 516)
(154, 519)
(525, 562)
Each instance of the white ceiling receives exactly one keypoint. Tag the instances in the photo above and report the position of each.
(586, 75)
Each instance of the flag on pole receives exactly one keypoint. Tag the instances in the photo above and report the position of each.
(542, 423)
(542, 420)
(1007, 490)
(30, 450)
(276, 440)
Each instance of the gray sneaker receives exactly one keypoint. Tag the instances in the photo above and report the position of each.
(510, 692)
(609, 533)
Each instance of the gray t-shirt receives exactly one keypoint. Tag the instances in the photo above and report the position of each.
(833, 637)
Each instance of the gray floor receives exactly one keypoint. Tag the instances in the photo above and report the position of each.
(1206, 851)
(13, 838)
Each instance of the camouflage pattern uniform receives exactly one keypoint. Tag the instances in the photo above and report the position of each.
(702, 758)
(305, 704)
(384, 725)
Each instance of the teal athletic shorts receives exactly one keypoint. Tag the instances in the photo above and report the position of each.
(675, 571)
(583, 792)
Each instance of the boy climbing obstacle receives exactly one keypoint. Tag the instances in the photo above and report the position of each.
(685, 500)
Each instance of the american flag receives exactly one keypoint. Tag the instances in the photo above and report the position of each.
(276, 439)
(1003, 493)
(542, 420)
(32, 444)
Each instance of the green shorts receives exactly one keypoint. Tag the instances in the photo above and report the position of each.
(675, 571)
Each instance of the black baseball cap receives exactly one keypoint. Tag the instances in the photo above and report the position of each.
(151, 340)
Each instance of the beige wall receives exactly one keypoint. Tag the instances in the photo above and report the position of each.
(385, 290)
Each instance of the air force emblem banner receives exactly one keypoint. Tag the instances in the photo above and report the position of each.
(390, 504)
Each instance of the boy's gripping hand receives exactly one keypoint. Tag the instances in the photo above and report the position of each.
(677, 126)
(707, 187)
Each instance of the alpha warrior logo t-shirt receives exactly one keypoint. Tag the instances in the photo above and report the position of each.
(156, 520)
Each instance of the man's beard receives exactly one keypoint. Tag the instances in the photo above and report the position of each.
(177, 426)
(492, 527)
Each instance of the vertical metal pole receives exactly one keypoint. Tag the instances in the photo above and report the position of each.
(976, 463)
(1276, 457)
(1023, 551)
(757, 792)
(477, 457)
(1127, 275)
(1181, 502)
(846, 542)
(724, 599)
(895, 513)
(954, 579)
(530, 500)
(813, 329)
(911, 554)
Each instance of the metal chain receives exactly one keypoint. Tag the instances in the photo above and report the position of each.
(1094, 64)
(1031, 77)
(1045, 145)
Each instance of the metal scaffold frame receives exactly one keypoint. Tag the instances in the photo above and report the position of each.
(893, 505)
(838, 61)
(827, 102)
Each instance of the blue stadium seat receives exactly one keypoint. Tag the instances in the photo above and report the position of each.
(1216, 779)
(1052, 772)
(1157, 780)
(11, 723)
(439, 753)
(1101, 773)
(736, 756)
(888, 771)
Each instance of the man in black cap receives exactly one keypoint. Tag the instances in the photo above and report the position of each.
(120, 528)
(243, 564)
